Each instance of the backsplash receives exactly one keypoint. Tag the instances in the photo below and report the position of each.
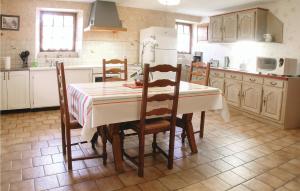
(288, 11)
(95, 45)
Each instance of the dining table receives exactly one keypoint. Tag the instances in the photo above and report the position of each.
(112, 103)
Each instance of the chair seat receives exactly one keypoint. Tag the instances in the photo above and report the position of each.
(152, 125)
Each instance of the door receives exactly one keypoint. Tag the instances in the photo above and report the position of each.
(18, 90)
(246, 25)
(215, 29)
(272, 102)
(230, 27)
(233, 92)
(251, 97)
(44, 89)
(3, 91)
(217, 83)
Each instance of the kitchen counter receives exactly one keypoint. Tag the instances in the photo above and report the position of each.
(254, 73)
(74, 67)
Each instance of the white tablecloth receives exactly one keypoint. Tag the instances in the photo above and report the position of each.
(96, 104)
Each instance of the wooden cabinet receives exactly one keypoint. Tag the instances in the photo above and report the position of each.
(272, 102)
(233, 92)
(215, 29)
(251, 97)
(230, 27)
(217, 83)
(15, 90)
(246, 25)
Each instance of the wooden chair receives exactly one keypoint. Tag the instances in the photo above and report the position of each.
(114, 70)
(68, 122)
(156, 125)
(199, 74)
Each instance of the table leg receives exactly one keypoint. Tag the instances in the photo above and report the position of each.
(116, 145)
(187, 119)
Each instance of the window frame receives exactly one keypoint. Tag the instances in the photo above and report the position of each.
(191, 36)
(73, 14)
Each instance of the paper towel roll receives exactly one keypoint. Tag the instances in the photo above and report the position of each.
(6, 62)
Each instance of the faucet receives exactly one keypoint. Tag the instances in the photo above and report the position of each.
(50, 62)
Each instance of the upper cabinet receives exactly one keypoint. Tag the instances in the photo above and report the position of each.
(230, 27)
(215, 29)
(250, 24)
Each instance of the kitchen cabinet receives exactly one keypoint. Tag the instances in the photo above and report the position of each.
(215, 29)
(246, 25)
(15, 90)
(272, 102)
(217, 83)
(233, 92)
(230, 27)
(251, 97)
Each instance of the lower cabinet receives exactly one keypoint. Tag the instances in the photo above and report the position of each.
(272, 102)
(251, 97)
(233, 92)
(217, 83)
(15, 90)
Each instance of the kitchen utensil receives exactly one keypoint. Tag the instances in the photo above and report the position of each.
(24, 57)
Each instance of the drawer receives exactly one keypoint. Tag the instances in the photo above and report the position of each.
(234, 76)
(253, 79)
(273, 82)
(217, 74)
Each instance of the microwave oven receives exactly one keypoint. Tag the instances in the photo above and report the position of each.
(277, 66)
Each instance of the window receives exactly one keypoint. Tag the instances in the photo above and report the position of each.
(184, 38)
(57, 31)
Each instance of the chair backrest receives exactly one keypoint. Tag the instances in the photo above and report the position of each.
(160, 97)
(62, 91)
(199, 73)
(114, 70)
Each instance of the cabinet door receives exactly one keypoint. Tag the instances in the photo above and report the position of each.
(215, 29)
(246, 25)
(44, 89)
(217, 83)
(3, 91)
(18, 90)
(251, 97)
(230, 27)
(78, 76)
(233, 92)
(272, 102)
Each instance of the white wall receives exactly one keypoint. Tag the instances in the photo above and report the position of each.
(288, 11)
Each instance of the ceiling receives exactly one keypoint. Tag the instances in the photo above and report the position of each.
(191, 7)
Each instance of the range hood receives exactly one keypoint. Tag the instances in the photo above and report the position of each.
(104, 17)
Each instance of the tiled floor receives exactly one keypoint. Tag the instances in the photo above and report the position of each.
(241, 155)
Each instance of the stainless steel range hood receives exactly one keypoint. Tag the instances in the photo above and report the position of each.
(104, 17)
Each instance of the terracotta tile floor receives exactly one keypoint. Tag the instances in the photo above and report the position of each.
(241, 155)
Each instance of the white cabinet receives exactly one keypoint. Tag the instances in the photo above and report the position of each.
(272, 102)
(15, 90)
(233, 92)
(44, 89)
(251, 97)
(215, 29)
(217, 83)
(230, 27)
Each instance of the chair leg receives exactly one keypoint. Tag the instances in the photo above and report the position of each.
(202, 124)
(141, 155)
(183, 136)
(69, 148)
(122, 136)
(171, 148)
(95, 139)
(63, 137)
(154, 143)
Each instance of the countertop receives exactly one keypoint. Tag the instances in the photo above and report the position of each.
(254, 73)
(14, 69)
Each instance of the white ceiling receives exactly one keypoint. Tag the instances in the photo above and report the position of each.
(191, 7)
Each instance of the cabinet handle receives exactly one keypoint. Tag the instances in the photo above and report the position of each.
(4, 76)
(252, 80)
(273, 83)
(8, 76)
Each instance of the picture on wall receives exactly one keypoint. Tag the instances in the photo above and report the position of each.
(10, 22)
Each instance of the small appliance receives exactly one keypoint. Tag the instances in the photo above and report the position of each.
(226, 62)
(198, 57)
(277, 66)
